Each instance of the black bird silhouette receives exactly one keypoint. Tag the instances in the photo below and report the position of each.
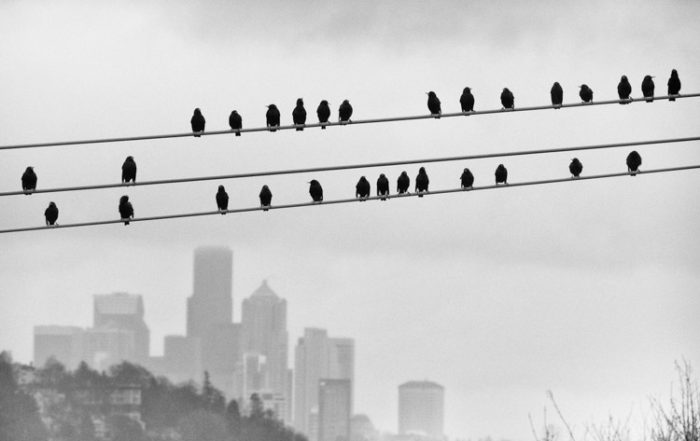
(129, 170)
(222, 199)
(624, 89)
(29, 180)
(273, 117)
(316, 191)
(382, 186)
(648, 88)
(507, 99)
(126, 210)
(467, 100)
(575, 168)
(434, 104)
(265, 197)
(51, 214)
(323, 112)
(586, 93)
(299, 115)
(422, 182)
(501, 175)
(403, 183)
(235, 122)
(634, 160)
(557, 94)
(197, 122)
(467, 179)
(674, 85)
(345, 111)
(362, 189)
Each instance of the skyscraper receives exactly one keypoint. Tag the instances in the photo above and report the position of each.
(334, 402)
(318, 357)
(212, 301)
(123, 312)
(421, 409)
(63, 343)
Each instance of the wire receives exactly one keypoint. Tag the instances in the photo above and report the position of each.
(344, 201)
(331, 124)
(356, 166)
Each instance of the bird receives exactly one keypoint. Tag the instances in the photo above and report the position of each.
(507, 99)
(265, 197)
(557, 94)
(316, 191)
(575, 168)
(648, 88)
(382, 186)
(434, 104)
(467, 179)
(403, 183)
(586, 93)
(634, 160)
(501, 175)
(222, 199)
(467, 100)
(273, 117)
(624, 89)
(126, 210)
(362, 189)
(299, 115)
(51, 214)
(345, 111)
(422, 182)
(129, 170)
(674, 84)
(323, 112)
(197, 122)
(235, 122)
(29, 180)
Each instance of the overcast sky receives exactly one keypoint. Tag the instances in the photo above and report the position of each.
(590, 289)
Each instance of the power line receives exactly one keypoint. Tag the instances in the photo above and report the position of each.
(348, 200)
(331, 124)
(357, 166)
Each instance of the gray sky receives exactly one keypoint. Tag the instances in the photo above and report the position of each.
(589, 289)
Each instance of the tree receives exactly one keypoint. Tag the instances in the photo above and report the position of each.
(233, 419)
(19, 416)
(125, 429)
(680, 421)
(202, 425)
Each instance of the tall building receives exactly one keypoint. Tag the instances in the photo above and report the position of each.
(182, 358)
(124, 312)
(211, 302)
(318, 357)
(421, 409)
(335, 408)
(62, 343)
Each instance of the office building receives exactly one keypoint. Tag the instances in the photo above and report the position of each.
(421, 409)
(124, 312)
(211, 302)
(62, 343)
(334, 409)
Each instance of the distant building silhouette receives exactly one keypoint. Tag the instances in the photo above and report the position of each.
(122, 311)
(334, 409)
(63, 343)
(421, 409)
(362, 429)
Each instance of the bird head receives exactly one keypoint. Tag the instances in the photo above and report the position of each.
(346, 102)
(52, 204)
(124, 199)
(624, 78)
(197, 111)
(324, 102)
(467, 89)
(221, 188)
(271, 106)
(382, 175)
(265, 187)
(313, 182)
(129, 158)
(30, 168)
(421, 170)
(300, 101)
(674, 73)
(235, 112)
(556, 83)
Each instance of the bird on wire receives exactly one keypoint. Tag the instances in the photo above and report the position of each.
(382, 186)
(648, 88)
(624, 89)
(345, 112)
(507, 99)
(467, 100)
(299, 115)
(434, 104)
(501, 175)
(29, 179)
(323, 112)
(129, 170)
(265, 197)
(198, 122)
(51, 214)
(467, 179)
(674, 84)
(235, 122)
(272, 117)
(634, 160)
(557, 94)
(403, 183)
(422, 182)
(362, 189)
(126, 210)
(316, 191)
(222, 199)
(586, 93)
(575, 168)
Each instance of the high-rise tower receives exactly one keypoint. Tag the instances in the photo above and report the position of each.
(212, 301)
(421, 409)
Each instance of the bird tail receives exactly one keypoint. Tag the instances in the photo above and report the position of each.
(672, 99)
(300, 129)
(126, 222)
(323, 127)
(238, 133)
